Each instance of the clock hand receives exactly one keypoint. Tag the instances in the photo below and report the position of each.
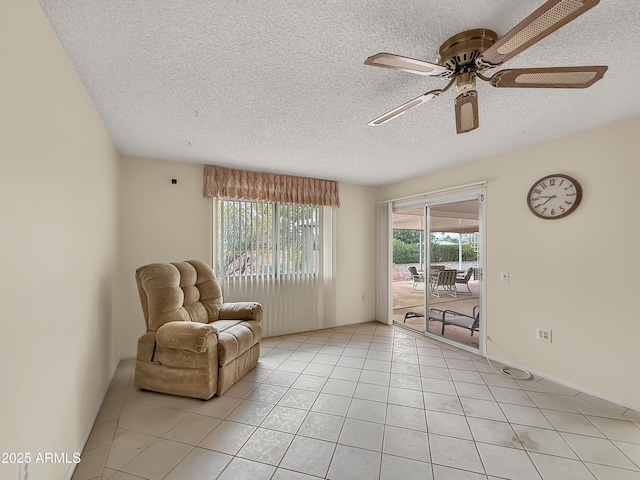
(548, 199)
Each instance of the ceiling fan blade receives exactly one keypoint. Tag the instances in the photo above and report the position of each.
(552, 77)
(403, 108)
(545, 20)
(406, 64)
(467, 112)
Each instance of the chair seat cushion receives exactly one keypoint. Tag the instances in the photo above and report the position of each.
(236, 337)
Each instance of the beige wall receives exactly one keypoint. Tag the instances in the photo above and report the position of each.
(160, 222)
(58, 209)
(577, 275)
(355, 255)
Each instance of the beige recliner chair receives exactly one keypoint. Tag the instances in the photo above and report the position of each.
(195, 345)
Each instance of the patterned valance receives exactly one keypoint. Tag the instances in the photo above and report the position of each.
(230, 183)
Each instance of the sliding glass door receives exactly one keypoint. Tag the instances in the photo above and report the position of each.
(437, 265)
(454, 272)
(408, 267)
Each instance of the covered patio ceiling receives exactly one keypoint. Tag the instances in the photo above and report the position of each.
(461, 217)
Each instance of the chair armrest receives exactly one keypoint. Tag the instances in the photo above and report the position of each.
(240, 311)
(192, 336)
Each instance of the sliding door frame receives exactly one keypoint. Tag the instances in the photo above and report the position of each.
(474, 191)
(384, 258)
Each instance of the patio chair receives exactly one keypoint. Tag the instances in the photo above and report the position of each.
(412, 315)
(458, 319)
(445, 279)
(418, 278)
(464, 279)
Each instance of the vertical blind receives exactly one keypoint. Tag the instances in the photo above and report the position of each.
(263, 238)
(297, 243)
(278, 255)
(245, 240)
(274, 244)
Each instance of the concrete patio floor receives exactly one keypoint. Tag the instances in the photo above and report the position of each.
(406, 300)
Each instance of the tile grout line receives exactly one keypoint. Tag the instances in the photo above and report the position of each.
(388, 386)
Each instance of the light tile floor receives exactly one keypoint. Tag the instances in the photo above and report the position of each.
(363, 402)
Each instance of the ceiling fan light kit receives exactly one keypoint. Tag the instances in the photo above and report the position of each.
(466, 56)
(466, 112)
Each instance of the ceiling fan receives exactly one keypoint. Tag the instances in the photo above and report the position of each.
(466, 56)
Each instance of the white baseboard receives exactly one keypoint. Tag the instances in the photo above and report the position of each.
(80, 449)
(579, 388)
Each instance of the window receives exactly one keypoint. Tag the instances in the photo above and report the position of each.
(257, 238)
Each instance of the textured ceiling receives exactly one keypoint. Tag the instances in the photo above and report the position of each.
(280, 85)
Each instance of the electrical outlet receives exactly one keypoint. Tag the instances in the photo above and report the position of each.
(543, 334)
(504, 277)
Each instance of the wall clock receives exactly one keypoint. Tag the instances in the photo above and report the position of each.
(554, 196)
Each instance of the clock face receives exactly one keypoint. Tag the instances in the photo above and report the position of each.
(554, 196)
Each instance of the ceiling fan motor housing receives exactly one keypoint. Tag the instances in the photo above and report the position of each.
(459, 53)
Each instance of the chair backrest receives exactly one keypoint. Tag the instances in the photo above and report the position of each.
(413, 271)
(178, 292)
(467, 276)
(447, 277)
